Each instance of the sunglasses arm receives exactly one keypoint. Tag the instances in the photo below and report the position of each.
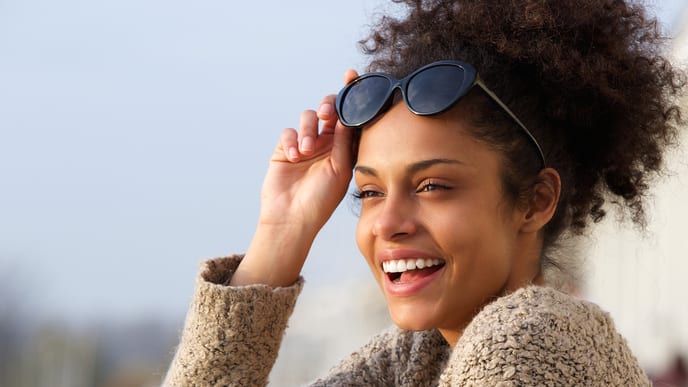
(494, 97)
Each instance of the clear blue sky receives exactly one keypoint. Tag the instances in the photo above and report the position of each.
(134, 136)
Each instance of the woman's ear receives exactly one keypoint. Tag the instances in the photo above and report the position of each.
(544, 200)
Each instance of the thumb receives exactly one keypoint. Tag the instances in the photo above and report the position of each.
(342, 149)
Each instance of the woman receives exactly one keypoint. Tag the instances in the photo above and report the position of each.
(491, 132)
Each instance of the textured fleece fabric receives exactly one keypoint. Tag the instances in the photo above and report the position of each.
(535, 336)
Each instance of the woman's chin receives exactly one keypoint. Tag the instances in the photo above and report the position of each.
(411, 319)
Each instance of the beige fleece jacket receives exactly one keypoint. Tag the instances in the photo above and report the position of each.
(535, 336)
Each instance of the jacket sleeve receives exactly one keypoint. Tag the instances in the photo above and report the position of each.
(539, 336)
(231, 335)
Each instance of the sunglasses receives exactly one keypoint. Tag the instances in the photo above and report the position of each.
(430, 90)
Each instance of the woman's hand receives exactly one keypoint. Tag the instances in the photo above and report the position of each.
(308, 176)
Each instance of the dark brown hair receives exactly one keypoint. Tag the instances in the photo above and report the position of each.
(587, 77)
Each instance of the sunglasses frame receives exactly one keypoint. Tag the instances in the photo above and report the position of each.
(470, 80)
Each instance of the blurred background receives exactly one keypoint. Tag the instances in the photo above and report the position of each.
(133, 140)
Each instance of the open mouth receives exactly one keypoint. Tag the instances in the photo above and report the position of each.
(408, 270)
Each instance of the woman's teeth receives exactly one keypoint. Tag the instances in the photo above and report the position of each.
(402, 265)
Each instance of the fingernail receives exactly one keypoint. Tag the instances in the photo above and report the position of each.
(325, 109)
(307, 144)
(293, 153)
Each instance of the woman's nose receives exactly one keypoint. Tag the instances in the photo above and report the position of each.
(396, 219)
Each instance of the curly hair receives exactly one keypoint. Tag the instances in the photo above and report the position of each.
(587, 77)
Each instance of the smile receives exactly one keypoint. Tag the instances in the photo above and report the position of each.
(407, 270)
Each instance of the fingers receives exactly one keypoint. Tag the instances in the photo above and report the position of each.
(296, 145)
(289, 145)
(327, 112)
(308, 132)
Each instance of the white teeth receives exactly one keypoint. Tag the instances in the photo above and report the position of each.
(402, 265)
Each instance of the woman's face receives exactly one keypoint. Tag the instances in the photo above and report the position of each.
(436, 229)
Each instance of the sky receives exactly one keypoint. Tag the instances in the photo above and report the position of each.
(134, 136)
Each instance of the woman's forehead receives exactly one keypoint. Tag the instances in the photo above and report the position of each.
(400, 137)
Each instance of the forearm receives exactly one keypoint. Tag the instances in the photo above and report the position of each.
(275, 257)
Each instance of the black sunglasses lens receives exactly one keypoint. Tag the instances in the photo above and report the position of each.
(435, 89)
(363, 100)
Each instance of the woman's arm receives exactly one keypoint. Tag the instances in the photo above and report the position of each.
(240, 308)
(307, 177)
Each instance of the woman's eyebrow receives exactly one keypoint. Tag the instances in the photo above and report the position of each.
(365, 170)
(411, 169)
(425, 164)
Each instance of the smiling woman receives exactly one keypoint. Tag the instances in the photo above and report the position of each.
(466, 194)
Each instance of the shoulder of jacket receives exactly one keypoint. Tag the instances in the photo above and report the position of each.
(530, 307)
(539, 335)
(539, 316)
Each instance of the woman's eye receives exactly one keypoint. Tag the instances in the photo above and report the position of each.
(432, 187)
(364, 194)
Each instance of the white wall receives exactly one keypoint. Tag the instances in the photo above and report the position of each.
(642, 278)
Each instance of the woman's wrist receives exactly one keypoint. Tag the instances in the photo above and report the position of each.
(275, 257)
